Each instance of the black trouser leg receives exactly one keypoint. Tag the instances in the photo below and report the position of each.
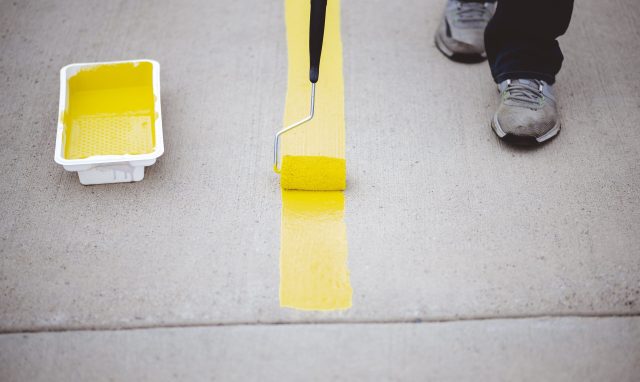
(521, 41)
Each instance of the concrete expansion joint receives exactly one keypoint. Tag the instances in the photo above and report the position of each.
(331, 322)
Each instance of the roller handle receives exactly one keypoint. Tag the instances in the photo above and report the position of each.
(316, 34)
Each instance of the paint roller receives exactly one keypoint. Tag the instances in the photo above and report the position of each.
(314, 173)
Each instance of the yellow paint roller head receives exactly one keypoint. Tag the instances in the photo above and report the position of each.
(313, 173)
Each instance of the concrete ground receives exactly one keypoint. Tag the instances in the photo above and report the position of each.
(469, 259)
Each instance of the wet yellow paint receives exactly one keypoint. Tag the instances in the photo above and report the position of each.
(313, 252)
(313, 258)
(110, 111)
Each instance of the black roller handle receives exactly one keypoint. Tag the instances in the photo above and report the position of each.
(316, 34)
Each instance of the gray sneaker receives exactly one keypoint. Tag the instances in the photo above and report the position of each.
(460, 35)
(527, 114)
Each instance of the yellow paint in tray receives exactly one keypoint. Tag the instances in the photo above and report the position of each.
(314, 273)
(110, 111)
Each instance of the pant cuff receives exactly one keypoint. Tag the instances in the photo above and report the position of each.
(517, 75)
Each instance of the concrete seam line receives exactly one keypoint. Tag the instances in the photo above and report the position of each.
(323, 323)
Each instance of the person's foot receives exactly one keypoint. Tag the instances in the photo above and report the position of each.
(460, 35)
(527, 114)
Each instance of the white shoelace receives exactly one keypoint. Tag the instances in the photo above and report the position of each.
(529, 92)
(471, 12)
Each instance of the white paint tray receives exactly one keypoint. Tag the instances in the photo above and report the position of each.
(110, 121)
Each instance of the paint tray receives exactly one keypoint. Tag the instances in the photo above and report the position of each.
(109, 124)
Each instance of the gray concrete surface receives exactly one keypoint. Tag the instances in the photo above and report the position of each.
(444, 221)
(492, 350)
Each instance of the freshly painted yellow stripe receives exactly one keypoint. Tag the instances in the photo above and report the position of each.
(313, 253)
(324, 134)
(313, 250)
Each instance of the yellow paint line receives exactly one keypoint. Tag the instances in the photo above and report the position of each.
(324, 135)
(313, 250)
(313, 253)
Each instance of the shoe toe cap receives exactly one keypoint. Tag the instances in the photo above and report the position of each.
(523, 122)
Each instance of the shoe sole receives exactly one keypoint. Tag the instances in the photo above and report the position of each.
(467, 58)
(523, 140)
